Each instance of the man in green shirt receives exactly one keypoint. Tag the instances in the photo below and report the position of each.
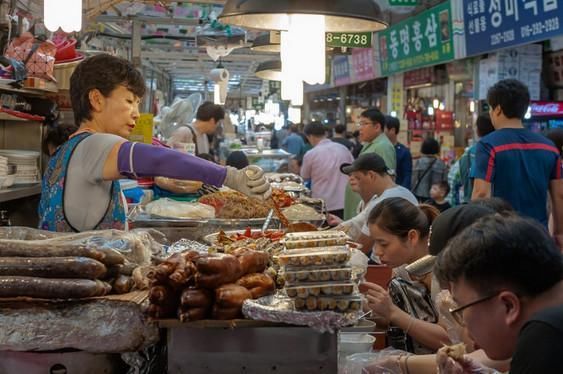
(372, 125)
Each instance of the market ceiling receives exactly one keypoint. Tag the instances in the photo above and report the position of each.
(173, 33)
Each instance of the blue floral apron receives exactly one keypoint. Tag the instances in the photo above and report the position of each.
(51, 207)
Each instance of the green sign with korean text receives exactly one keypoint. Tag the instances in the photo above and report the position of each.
(348, 39)
(403, 2)
(422, 40)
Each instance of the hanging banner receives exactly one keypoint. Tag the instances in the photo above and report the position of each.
(422, 40)
(348, 39)
(143, 130)
(341, 70)
(495, 24)
(362, 65)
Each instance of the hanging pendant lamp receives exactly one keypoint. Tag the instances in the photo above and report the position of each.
(262, 43)
(340, 15)
(64, 14)
(270, 70)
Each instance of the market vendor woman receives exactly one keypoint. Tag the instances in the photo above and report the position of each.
(80, 188)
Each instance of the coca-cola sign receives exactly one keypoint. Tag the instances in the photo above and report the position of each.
(543, 108)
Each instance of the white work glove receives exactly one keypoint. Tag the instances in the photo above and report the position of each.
(250, 181)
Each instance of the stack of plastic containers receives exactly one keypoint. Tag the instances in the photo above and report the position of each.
(317, 278)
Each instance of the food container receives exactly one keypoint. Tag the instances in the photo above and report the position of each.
(350, 343)
(294, 276)
(341, 304)
(364, 325)
(315, 256)
(320, 289)
(311, 239)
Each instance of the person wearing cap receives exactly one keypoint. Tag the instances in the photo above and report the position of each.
(372, 135)
(320, 165)
(369, 177)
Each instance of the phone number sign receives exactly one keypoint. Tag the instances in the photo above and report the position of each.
(419, 41)
(495, 24)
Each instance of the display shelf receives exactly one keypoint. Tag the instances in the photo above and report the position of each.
(18, 192)
(5, 86)
(8, 117)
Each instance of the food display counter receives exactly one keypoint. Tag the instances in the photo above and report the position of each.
(268, 159)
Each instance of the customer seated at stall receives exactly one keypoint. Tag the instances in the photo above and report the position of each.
(445, 227)
(373, 181)
(400, 230)
(80, 190)
(506, 277)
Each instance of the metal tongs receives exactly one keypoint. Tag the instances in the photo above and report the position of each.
(207, 189)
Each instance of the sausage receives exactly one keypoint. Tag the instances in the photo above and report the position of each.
(161, 311)
(258, 284)
(111, 256)
(231, 296)
(122, 284)
(196, 298)
(52, 267)
(140, 277)
(219, 264)
(226, 313)
(24, 248)
(127, 268)
(192, 314)
(45, 288)
(182, 275)
(112, 271)
(252, 261)
(160, 295)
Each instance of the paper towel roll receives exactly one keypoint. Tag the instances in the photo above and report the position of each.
(219, 75)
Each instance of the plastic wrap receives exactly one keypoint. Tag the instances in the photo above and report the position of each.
(95, 326)
(179, 209)
(186, 245)
(385, 361)
(277, 308)
(26, 233)
(316, 256)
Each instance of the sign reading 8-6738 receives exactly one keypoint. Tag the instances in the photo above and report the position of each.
(348, 39)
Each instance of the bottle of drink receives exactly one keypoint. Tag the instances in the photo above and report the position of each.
(4, 218)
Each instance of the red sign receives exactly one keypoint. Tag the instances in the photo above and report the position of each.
(444, 120)
(418, 77)
(546, 109)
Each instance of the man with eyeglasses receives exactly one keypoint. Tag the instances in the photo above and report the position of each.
(506, 275)
(374, 140)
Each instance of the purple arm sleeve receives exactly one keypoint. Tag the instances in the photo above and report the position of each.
(143, 160)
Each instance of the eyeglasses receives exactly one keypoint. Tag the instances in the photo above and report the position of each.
(457, 313)
(362, 124)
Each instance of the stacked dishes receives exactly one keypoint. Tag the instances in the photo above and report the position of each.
(6, 180)
(315, 272)
(26, 163)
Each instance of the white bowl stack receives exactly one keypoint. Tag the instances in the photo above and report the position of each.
(27, 165)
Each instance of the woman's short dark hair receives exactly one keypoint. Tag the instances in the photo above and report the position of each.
(374, 116)
(315, 129)
(237, 159)
(502, 252)
(208, 111)
(104, 73)
(484, 125)
(512, 96)
(398, 216)
(430, 146)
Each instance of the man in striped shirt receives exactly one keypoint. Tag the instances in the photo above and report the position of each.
(515, 164)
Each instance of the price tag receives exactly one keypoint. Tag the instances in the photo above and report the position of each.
(349, 39)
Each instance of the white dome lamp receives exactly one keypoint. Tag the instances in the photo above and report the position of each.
(303, 24)
(64, 14)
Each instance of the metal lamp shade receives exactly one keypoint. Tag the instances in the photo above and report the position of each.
(340, 15)
(270, 70)
(262, 43)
